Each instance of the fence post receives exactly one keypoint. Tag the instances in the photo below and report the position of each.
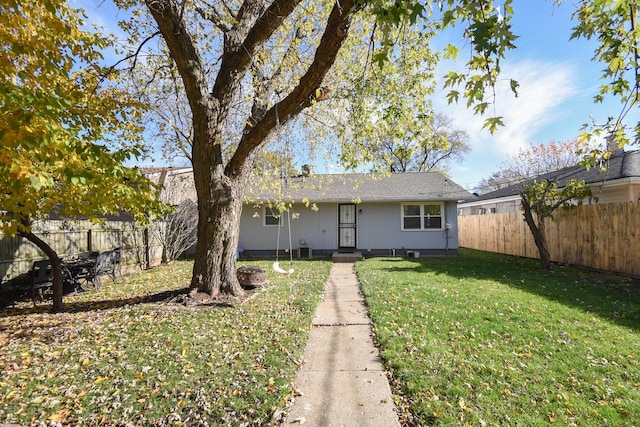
(147, 255)
(89, 241)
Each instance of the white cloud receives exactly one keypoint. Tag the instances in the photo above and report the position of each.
(544, 88)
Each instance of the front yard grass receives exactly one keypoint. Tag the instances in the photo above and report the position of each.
(486, 339)
(124, 356)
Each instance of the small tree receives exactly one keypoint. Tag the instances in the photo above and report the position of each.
(540, 200)
(542, 197)
(535, 160)
(178, 231)
(497, 180)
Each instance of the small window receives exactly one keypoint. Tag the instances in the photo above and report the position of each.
(411, 217)
(428, 216)
(432, 216)
(271, 216)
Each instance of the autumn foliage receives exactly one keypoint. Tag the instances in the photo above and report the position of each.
(65, 131)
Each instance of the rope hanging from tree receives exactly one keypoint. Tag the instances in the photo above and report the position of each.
(285, 189)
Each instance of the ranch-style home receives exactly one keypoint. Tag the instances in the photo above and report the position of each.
(411, 214)
(619, 181)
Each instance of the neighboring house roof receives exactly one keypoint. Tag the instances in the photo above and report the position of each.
(176, 182)
(624, 165)
(410, 186)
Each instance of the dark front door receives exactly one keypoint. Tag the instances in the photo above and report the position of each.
(346, 227)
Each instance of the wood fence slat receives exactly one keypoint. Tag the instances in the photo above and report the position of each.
(17, 254)
(604, 237)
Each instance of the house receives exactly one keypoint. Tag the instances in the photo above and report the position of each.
(176, 182)
(398, 214)
(373, 215)
(618, 181)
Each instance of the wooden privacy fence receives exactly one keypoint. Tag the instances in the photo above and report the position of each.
(604, 237)
(69, 238)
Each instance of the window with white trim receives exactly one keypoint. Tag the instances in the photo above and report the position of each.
(422, 216)
(271, 216)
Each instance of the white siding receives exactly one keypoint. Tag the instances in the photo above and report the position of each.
(317, 228)
(380, 227)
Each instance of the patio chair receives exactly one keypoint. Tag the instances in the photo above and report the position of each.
(116, 261)
(107, 264)
(41, 279)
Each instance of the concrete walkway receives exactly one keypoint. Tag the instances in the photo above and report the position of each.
(342, 382)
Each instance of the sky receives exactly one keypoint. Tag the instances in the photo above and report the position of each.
(555, 98)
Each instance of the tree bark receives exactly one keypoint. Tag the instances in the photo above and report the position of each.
(56, 269)
(538, 232)
(219, 208)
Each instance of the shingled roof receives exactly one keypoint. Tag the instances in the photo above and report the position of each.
(408, 186)
(620, 166)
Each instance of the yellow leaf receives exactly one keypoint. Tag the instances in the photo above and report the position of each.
(99, 380)
(56, 417)
(85, 361)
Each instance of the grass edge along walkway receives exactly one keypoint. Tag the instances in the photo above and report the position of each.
(487, 339)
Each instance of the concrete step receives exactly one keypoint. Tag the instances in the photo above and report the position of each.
(346, 257)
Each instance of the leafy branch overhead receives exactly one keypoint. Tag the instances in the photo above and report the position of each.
(488, 30)
(614, 26)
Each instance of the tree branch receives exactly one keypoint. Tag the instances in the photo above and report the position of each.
(168, 15)
(112, 68)
(212, 16)
(238, 53)
(304, 94)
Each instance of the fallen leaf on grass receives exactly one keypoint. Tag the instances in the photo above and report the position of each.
(100, 379)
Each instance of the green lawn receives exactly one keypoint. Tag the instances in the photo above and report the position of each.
(485, 339)
(117, 358)
(480, 339)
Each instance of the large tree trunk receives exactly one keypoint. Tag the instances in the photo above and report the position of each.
(56, 269)
(538, 232)
(219, 208)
